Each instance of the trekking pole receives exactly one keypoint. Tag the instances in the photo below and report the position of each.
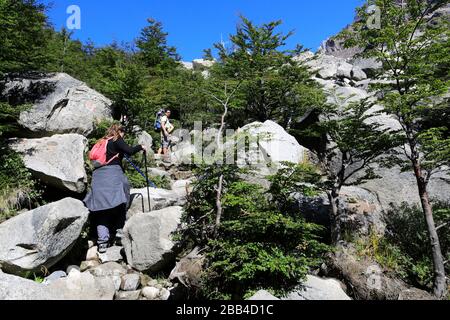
(146, 177)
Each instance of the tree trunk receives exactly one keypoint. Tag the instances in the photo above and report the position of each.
(439, 288)
(219, 208)
(333, 198)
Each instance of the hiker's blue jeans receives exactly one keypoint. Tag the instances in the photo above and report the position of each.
(109, 221)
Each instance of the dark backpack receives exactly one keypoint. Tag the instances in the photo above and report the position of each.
(157, 125)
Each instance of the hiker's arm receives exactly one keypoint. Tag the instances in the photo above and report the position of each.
(163, 127)
(125, 148)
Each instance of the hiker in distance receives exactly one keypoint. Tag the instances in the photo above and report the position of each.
(109, 198)
(166, 128)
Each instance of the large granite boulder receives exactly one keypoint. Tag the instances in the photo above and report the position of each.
(16, 288)
(61, 104)
(159, 199)
(57, 161)
(268, 146)
(315, 288)
(41, 237)
(83, 286)
(148, 240)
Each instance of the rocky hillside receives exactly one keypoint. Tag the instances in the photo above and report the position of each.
(48, 252)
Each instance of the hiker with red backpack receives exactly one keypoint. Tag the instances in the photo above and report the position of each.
(109, 197)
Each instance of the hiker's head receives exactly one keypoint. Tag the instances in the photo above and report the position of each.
(168, 113)
(116, 131)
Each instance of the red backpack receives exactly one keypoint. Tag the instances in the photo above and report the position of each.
(98, 154)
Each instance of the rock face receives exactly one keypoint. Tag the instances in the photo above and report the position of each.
(367, 279)
(17, 288)
(148, 238)
(396, 187)
(319, 289)
(262, 295)
(57, 161)
(109, 270)
(159, 199)
(41, 237)
(83, 286)
(189, 269)
(61, 104)
(269, 145)
(202, 64)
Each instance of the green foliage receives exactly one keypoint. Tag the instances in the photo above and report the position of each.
(8, 117)
(415, 58)
(23, 26)
(152, 43)
(404, 249)
(293, 178)
(18, 189)
(273, 85)
(256, 246)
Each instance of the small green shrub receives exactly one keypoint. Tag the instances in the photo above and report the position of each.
(404, 250)
(18, 189)
(256, 246)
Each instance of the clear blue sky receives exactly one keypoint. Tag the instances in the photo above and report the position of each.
(196, 25)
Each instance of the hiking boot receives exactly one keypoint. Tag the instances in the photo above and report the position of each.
(119, 237)
(102, 247)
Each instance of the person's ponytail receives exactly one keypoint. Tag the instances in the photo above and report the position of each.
(114, 132)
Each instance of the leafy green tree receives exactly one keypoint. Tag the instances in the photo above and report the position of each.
(126, 87)
(414, 49)
(274, 85)
(356, 142)
(23, 35)
(153, 46)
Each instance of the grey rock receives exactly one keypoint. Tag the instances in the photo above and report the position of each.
(70, 268)
(202, 64)
(128, 295)
(189, 269)
(368, 65)
(344, 70)
(158, 172)
(83, 286)
(395, 187)
(360, 211)
(86, 265)
(61, 104)
(41, 237)
(110, 270)
(145, 139)
(315, 288)
(358, 74)
(182, 187)
(187, 65)
(164, 294)
(335, 47)
(148, 238)
(263, 295)
(112, 254)
(159, 199)
(17, 288)
(54, 276)
(366, 279)
(269, 146)
(57, 161)
(92, 253)
(151, 293)
(130, 282)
